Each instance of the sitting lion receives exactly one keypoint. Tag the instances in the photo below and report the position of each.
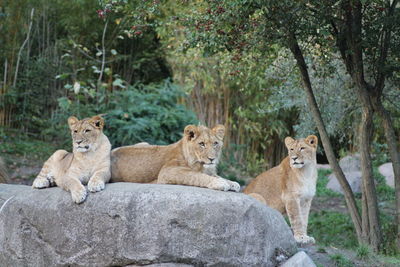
(290, 186)
(88, 163)
(191, 161)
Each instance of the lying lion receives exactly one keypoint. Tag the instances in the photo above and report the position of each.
(88, 163)
(290, 186)
(191, 161)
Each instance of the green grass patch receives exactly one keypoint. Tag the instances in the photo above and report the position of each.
(341, 261)
(322, 181)
(332, 229)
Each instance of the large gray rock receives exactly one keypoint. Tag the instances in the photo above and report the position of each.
(300, 259)
(353, 178)
(387, 171)
(138, 224)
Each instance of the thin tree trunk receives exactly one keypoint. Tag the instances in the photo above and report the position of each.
(370, 199)
(348, 193)
(394, 155)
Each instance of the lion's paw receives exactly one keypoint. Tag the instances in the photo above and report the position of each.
(40, 182)
(220, 184)
(304, 239)
(78, 196)
(234, 187)
(96, 185)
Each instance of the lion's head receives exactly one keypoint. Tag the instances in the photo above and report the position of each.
(301, 151)
(85, 132)
(203, 145)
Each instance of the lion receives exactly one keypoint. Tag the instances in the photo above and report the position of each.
(89, 163)
(190, 161)
(290, 186)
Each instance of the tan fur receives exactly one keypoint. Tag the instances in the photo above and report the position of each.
(190, 161)
(3, 172)
(89, 163)
(290, 186)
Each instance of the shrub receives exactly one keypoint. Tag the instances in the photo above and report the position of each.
(140, 113)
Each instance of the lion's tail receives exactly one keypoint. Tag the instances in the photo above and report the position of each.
(3, 172)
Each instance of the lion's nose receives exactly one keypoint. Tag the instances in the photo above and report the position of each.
(294, 158)
(79, 142)
(211, 159)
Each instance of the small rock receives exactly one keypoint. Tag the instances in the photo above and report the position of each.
(386, 170)
(300, 259)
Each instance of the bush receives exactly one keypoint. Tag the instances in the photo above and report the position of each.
(141, 113)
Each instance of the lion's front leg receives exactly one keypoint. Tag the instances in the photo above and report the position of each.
(72, 184)
(212, 171)
(299, 227)
(45, 177)
(186, 176)
(305, 212)
(98, 180)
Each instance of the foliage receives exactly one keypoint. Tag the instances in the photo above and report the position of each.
(140, 113)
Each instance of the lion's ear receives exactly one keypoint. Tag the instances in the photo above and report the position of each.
(219, 131)
(288, 141)
(191, 132)
(71, 121)
(97, 122)
(312, 140)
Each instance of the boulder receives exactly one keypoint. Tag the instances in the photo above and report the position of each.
(139, 224)
(300, 259)
(354, 179)
(386, 170)
(351, 166)
(350, 163)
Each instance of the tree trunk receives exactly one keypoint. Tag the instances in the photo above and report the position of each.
(348, 193)
(394, 155)
(371, 230)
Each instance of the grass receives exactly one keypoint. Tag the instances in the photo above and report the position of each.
(341, 261)
(322, 181)
(363, 252)
(331, 228)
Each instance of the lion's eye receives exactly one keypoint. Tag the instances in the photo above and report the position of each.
(302, 148)
(202, 144)
(87, 130)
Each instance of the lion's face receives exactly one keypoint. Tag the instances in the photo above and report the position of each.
(301, 151)
(203, 145)
(85, 132)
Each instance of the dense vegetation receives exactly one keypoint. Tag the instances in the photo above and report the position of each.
(154, 66)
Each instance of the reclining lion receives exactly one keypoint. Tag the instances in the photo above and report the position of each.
(88, 163)
(191, 161)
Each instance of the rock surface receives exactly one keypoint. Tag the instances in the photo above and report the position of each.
(387, 171)
(351, 166)
(300, 259)
(354, 179)
(138, 224)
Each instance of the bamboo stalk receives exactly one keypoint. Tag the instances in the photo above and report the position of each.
(22, 47)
